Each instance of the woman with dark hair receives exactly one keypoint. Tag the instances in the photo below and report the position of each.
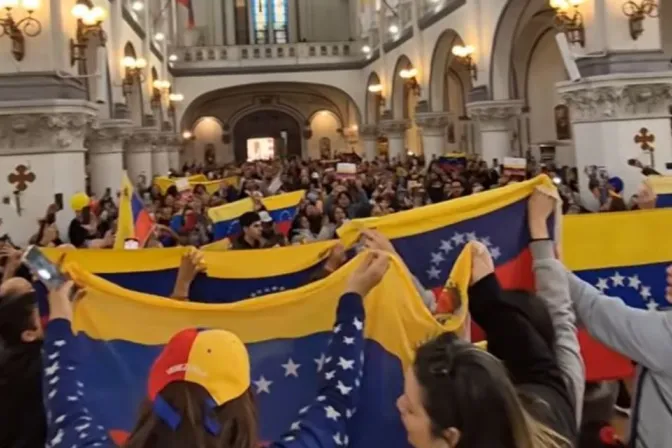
(198, 392)
(515, 395)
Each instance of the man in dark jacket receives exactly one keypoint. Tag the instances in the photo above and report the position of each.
(22, 417)
(251, 238)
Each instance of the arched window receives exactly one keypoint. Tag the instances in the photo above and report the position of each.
(270, 16)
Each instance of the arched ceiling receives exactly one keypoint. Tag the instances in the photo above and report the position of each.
(304, 98)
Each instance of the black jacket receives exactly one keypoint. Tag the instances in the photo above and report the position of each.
(22, 417)
(531, 362)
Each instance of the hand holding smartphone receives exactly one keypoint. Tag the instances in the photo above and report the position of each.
(45, 270)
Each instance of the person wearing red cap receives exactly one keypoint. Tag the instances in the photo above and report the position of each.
(199, 386)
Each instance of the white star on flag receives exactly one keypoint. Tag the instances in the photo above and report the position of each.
(602, 284)
(330, 375)
(345, 364)
(486, 241)
(458, 238)
(495, 252)
(263, 385)
(645, 292)
(291, 368)
(358, 324)
(59, 343)
(437, 258)
(320, 362)
(337, 439)
(617, 279)
(446, 246)
(348, 341)
(652, 305)
(303, 410)
(52, 369)
(433, 272)
(332, 413)
(634, 281)
(471, 236)
(337, 329)
(321, 398)
(295, 426)
(343, 389)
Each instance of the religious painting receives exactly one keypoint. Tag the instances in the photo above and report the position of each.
(209, 154)
(325, 148)
(562, 126)
(451, 132)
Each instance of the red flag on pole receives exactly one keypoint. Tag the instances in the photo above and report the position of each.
(187, 4)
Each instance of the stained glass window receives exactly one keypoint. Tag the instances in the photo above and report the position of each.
(260, 19)
(280, 21)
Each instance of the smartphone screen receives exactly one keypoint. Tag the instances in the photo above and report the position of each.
(41, 266)
(131, 243)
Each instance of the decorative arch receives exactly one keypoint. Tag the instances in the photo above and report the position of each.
(323, 91)
(372, 104)
(399, 97)
(338, 119)
(199, 119)
(134, 101)
(514, 17)
(276, 122)
(445, 65)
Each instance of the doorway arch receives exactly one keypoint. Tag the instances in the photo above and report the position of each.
(269, 123)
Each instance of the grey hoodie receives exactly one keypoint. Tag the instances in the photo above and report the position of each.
(553, 289)
(645, 337)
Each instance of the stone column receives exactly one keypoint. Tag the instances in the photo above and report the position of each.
(160, 157)
(619, 117)
(230, 18)
(369, 135)
(139, 154)
(106, 154)
(395, 130)
(433, 126)
(173, 147)
(41, 156)
(493, 119)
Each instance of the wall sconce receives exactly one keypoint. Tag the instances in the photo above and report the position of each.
(187, 135)
(409, 75)
(571, 26)
(377, 90)
(17, 31)
(89, 20)
(636, 14)
(134, 71)
(160, 87)
(463, 56)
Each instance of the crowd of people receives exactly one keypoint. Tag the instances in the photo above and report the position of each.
(377, 188)
(526, 390)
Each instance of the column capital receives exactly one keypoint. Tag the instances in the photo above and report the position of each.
(49, 126)
(170, 141)
(142, 139)
(500, 110)
(369, 132)
(394, 128)
(108, 136)
(432, 123)
(618, 97)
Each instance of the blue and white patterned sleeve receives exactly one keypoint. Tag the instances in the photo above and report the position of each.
(323, 424)
(70, 423)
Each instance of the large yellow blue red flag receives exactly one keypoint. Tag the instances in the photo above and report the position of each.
(282, 209)
(211, 186)
(134, 221)
(122, 332)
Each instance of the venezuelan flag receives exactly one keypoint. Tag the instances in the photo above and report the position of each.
(662, 187)
(230, 276)
(453, 161)
(624, 255)
(429, 239)
(134, 221)
(282, 209)
(278, 329)
(211, 186)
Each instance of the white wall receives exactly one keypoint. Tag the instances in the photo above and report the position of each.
(324, 124)
(208, 130)
(325, 20)
(545, 70)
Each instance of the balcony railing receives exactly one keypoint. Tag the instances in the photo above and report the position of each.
(272, 55)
